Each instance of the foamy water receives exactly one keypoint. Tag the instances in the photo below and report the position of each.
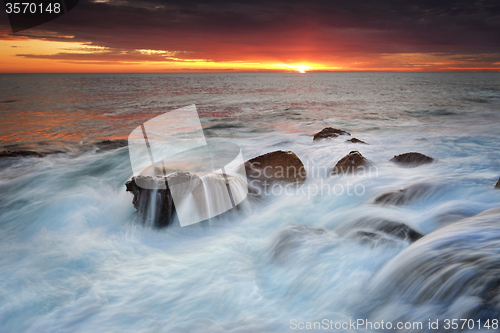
(74, 258)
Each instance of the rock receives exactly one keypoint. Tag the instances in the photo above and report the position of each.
(457, 265)
(498, 184)
(276, 166)
(111, 144)
(20, 153)
(404, 196)
(400, 230)
(355, 140)
(144, 197)
(299, 243)
(147, 194)
(378, 230)
(373, 239)
(351, 163)
(412, 159)
(329, 132)
(201, 197)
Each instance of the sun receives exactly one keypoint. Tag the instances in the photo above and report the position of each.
(301, 69)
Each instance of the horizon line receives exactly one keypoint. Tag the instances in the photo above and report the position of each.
(267, 72)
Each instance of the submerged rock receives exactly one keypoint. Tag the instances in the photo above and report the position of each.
(300, 243)
(412, 159)
(378, 230)
(498, 184)
(276, 166)
(404, 196)
(356, 140)
(329, 132)
(351, 163)
(455, 267)
(20, 153)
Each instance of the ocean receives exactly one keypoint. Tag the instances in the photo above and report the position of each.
(74, 257)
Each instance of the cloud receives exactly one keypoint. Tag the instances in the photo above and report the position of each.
(277, 31)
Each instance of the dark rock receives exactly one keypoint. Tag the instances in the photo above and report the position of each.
(412, 159)
(453, 216)
(293, 237)
(498, 184)
(329, 132)
(20, 153)
(404, 196)
(150, 191)
(400, 230)
(351, 163)
(111, 144)
(355, 140)
(373, 239)
(277, 166)
(378, 230)
(154, 200)
(445, 267)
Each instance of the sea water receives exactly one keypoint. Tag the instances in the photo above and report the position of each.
(74, 257)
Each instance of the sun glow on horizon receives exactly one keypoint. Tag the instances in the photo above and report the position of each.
(302, 68)
(34, 55)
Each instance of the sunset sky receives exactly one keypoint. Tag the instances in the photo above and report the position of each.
(241, 36)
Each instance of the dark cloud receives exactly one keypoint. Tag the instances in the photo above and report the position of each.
(281, 30)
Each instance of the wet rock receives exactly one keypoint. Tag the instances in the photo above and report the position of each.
(355, 140)
(373, 239)
(404, 196)
(453, 216)
(163, 212)
(498, 184)
(20, 153)
(351, 163)
(298, 242)
(378, 230)
(277, 166)
(111, 144)
(152, 197)
(200, 197)
(454, 266)
(329, 132)
(412, 159)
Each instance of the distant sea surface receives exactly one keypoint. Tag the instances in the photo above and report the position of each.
(75, 259)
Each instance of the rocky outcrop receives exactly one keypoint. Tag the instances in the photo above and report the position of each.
(356, 140)
(412, 159)
(404, 196)
(20, 153)
(111, 144)
(351, 163)
(152, 197)
(498, 184)
(277, 166)
(329, 132)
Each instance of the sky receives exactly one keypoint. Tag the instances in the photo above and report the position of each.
(259, 35)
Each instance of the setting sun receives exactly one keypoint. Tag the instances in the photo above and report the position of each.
(301, 69)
